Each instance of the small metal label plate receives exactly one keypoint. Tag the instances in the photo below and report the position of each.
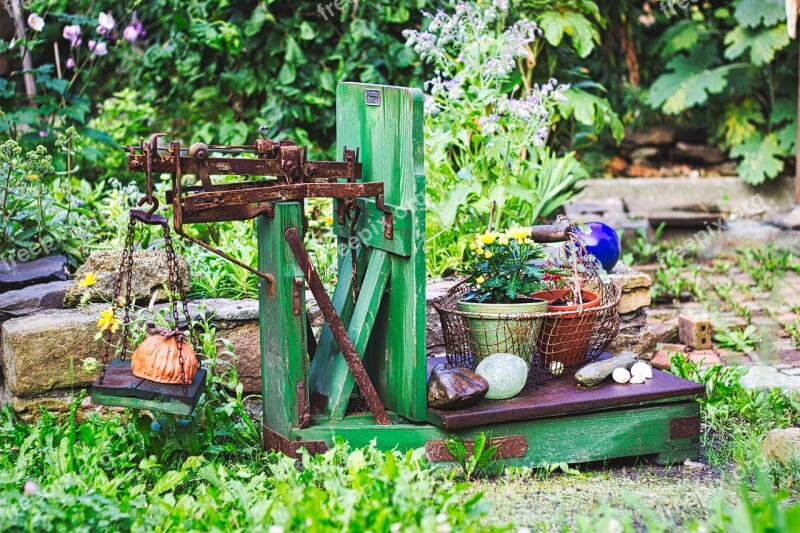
(373, 96)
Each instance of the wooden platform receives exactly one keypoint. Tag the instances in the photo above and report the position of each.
(563, 396)
(557, 422)
(121, 388)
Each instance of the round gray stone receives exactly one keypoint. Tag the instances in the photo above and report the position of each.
(506, 374)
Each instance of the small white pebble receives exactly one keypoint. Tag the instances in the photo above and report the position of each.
(621, 375)
(638, 380)
(642, 369)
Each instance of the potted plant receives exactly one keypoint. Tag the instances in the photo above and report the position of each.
(566, 335)
(501, 273)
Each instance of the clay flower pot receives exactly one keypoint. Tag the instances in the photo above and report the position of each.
(565, 338)
(157, 359)
(503, 328)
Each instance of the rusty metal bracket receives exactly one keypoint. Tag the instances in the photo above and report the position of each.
(337, 329)
(279, 443)
(303, 410)
(507, 448)
(297, 296)
(388, 217)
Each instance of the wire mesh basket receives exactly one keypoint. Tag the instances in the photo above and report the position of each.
(551, 342)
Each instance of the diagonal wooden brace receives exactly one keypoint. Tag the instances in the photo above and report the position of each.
(337, 328)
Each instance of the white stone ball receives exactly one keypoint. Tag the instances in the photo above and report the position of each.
(642, 369)
(638, 380)
(621, 375)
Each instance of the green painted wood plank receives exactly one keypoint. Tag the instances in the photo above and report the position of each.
(390, 140)
(369, 228)
(158, 406)
(327, 349)
(573, 439)
(365, 312)
(284, 361)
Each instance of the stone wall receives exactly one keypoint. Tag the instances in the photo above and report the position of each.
(43, 346)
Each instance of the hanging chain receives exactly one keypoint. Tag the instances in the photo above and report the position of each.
(353, 242)
(125, 269)
(176, 293)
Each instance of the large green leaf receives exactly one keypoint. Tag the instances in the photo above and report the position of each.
(760, 159)
(762, 44)
(787, 137)
(752, 13)
(689, 83)
(740, 121)
(681, 36)
(591, 110)
(583, 32)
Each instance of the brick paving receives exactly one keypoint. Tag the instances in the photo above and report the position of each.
(740, 301)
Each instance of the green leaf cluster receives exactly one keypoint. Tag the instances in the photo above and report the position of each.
(739, 68)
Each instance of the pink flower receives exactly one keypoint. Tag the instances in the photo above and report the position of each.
(30, 488)
(130, 33)
(70, 63)
(35, 22)
(72, 33)
(98, 49)
(106, 22)
(42, 133)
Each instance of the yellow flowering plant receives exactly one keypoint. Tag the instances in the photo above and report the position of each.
(503, 266)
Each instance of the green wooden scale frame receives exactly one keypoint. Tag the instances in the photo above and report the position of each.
(309, 398)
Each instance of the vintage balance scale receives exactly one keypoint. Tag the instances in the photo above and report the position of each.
(375, 322)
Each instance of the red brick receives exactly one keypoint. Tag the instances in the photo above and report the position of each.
(695, 331)
(706, 357)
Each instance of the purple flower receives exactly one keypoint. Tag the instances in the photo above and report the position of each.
(42, 133)
(130, 33)
(72, 33)
(98, 48)
(70, 63)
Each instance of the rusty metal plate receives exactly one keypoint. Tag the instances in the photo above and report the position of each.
(279, 443)
(684, 428)
(279, 193)
(508, 448)
(562, 396)
(311, 170)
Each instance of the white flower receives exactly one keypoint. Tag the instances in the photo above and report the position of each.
(106, 21)
(98, 49)
(35, 22)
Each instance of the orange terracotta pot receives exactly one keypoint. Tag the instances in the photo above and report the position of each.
(157, 359)
(565, 338)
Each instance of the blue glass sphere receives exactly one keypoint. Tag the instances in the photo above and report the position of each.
(603, 243)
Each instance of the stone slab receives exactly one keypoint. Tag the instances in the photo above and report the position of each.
(15, 276)
(149, 274)
(32, 299)
(727, 193)
(768, 377)
(634, 299)
(643, 345)
(45, 351)
(629, 278)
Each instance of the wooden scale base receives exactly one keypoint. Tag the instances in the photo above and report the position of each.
(556, 422)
